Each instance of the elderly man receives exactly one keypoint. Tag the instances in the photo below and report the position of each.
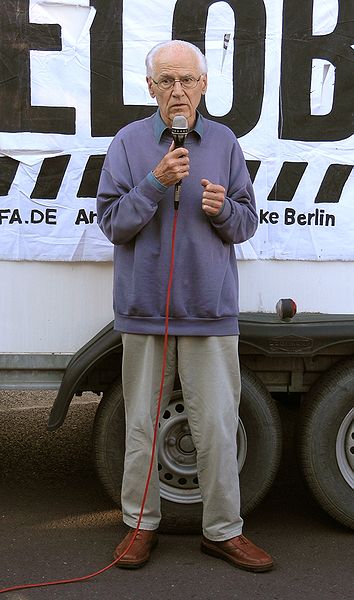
(216, 210)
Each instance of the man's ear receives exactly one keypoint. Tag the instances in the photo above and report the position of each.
(205, 83)
(149, 84)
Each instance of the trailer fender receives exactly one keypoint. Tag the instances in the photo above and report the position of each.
(83, 363)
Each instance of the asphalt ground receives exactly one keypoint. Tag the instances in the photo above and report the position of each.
(57, 523)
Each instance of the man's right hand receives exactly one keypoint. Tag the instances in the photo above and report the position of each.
(173, 167)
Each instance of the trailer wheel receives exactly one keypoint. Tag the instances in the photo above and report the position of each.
(326, 442)
(259, 450)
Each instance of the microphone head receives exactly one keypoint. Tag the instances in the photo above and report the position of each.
(180, 122)
(179, 129)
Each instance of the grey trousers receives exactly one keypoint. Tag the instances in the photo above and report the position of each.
(208, 368)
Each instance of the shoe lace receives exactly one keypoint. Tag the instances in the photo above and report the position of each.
(243, 539)
(140, 535)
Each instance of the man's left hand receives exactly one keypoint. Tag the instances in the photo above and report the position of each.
(213, 197)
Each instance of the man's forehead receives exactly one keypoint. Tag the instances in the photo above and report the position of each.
(175, 58)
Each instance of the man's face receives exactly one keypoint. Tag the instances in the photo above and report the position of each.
(177, 62)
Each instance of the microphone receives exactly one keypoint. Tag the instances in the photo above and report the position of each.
(179, 130)
(179, 133)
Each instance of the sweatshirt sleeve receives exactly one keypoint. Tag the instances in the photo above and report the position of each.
(238, 220)
(123, 208)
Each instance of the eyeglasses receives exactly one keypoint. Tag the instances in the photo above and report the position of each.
(167, 83)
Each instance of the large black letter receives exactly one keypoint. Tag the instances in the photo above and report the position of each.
(189, 24)
(17, 38)
(108, 113)
(299, 47)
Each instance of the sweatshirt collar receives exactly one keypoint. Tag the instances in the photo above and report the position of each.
(160, 127)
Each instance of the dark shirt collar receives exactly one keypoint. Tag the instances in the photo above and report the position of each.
(160, 127)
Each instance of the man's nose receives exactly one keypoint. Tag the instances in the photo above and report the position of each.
(177, 89)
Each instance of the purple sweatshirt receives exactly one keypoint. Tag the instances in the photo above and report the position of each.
(136, 214)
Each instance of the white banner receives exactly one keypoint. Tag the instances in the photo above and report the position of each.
(280, 75)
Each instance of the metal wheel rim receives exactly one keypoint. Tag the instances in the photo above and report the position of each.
(345, 448)
(177, 455)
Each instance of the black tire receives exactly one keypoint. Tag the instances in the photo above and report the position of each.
(326, 442)
(259, 450)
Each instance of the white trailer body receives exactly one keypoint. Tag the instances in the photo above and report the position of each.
(56, 308)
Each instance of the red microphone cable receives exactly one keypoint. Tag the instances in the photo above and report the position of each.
(153, 450)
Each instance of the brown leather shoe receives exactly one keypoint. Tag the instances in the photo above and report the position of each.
(139, 553)
(240, 552)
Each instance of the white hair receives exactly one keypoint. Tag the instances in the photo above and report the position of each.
(150, 58)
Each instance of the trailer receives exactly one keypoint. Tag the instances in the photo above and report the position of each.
(75, 79)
